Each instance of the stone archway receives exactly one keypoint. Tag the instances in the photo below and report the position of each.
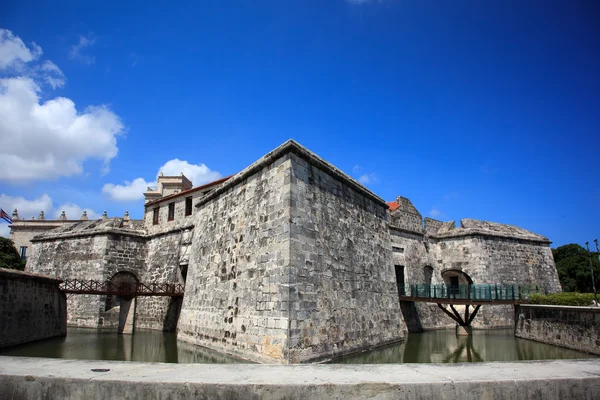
(120, 278)
(126, 281)
(456, 280)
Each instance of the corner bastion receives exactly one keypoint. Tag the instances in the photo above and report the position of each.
(291, 263)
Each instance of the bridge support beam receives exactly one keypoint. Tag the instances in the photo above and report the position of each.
(127, 315)
(464, 324)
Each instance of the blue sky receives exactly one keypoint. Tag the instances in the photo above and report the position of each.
(472, 109)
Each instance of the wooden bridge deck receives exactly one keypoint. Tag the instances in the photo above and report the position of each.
(78, 286)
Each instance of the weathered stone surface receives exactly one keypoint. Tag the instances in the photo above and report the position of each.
(575, 328)
(342, 295)
(31, 308)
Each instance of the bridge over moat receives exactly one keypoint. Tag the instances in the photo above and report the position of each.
(126, 292)
(469, 295)
(79, 286)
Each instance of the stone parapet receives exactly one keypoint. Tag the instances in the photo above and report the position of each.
(42, 378)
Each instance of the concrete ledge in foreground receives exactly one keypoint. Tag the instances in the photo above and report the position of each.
(44, 378)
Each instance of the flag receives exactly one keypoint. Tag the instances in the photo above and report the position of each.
(5, 216)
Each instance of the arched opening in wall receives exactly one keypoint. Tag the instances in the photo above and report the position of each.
(121, 278)
(428, 274)
(455, 280)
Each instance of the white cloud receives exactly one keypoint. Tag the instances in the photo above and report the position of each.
(53, 76)
(31, 208)
(199, 174)
(436, 213)
(73, 211)
(13, 50)
(46, 140)
(4, 230)
(26, 208)
(50, 139)
(75, 53)
(130, 191)
(366, 179)
(134, 190)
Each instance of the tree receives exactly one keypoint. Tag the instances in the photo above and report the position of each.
(9, 256)
(573, 266)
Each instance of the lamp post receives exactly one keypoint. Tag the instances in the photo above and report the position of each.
(587, 244)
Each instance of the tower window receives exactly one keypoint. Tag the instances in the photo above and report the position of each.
(171, 215)
(188, 206)
(155, 216)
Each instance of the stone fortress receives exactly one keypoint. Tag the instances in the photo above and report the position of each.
(288, 261)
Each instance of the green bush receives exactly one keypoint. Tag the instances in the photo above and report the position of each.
(564, 299)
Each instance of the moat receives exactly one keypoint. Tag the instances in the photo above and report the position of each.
(441, 346)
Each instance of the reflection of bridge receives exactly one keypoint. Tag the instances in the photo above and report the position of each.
(468, 295)
(78, 286)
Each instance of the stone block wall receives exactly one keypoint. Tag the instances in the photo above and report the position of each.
(74, 258)
(343, 295)
(31, 308)
(237, 289)
(180, 219)
(161, 266)
(575, 328)
(97, 256)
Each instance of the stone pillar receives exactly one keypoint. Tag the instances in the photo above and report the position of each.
(127, 315)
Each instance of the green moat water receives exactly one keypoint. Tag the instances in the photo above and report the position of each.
(428, 347)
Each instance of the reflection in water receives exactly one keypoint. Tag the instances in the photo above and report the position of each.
(429, 347)
(444, 346)
(144, 345)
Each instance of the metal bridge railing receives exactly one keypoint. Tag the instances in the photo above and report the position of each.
(78, 286)
(482, 291)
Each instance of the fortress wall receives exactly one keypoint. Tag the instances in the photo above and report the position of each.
(495, 259)
(408, 221)
(343, 295)
(73, 258)
(431, 225)
(31, 308)
(520, 261)
(410, 251)
(162, 266)
(236, 296)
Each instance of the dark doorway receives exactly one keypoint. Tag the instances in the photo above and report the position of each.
(454, 285)
(400, 279)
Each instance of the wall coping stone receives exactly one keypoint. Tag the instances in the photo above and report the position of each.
(397, 228)
(57, 378)
(564, 308)
(92, 232)
(13, 273)
(294, 147)
(465, 232)
(170, 230)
